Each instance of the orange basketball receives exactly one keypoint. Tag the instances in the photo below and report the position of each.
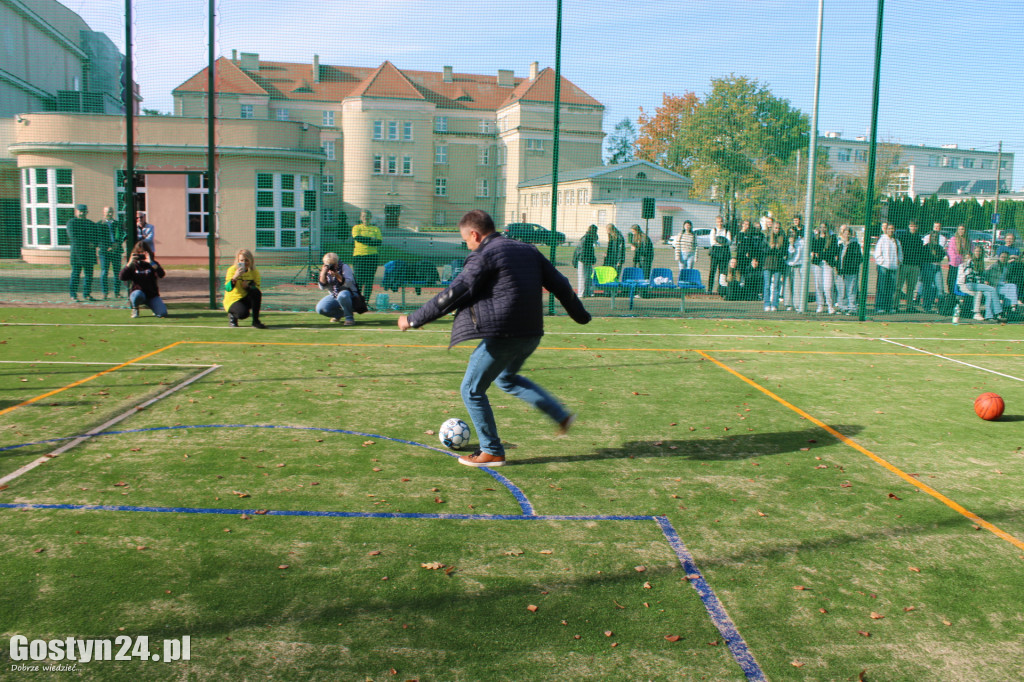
(989, 406)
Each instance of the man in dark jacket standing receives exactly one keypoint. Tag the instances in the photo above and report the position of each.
(499, 298)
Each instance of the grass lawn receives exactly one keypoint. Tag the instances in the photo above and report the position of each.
(737, 500)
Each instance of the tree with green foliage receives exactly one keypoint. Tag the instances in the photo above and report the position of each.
(621, 143)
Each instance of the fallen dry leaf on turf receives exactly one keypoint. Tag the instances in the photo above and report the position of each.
(432, 566)
(546, 551)
(513, 552)
(532, 608)
(283, 566)
(800, 587)
(575, 636)
(367, 442)
(908, 608)
(862, 677)
(876, 616)
(946, 622)
(893, 497)
(915, 569)
(120, 484)
(141, 547)
(647, 586)
(240, 494)
(673, 638)
(618, 605)
(823, 610)
(608, 633)
(639, 569)
(796, 664)
(865, 634)
(37, 551)
(761, 513)
(438, 500)
(430, 432)
(375, 552)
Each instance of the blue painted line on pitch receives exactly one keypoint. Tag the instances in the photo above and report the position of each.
(716, 611)
(329, 514)
(524, 503)
(714, 607)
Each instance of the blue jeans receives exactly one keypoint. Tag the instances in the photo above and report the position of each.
(336, 307)
(686, 260)
(772, 288)
(156, 304)
(499, 360)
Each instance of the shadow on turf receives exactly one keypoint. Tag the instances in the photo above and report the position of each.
(701, 447)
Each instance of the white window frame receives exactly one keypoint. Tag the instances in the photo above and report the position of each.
(440, 217)
(954, 162)
(328, 147)
(203, 192)
(378, 130)
(392, 130)
(933, 160)
(440, 187)
(54, 226)
(247, 111)
(407, 164)
(407, 131)
(293, 225)
(378, 164)
(583, 196)
(483, 188)
(987, 164)
(283, 114)
(485, 126)
(441, 154)
(843, 154)
(327, 184)
(534, 145)
(441, 124)
(483, 156)
(328, 118)
(968, 162)
(570, 197)
(392, 164)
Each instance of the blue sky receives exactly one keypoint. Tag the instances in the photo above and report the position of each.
(950, 70)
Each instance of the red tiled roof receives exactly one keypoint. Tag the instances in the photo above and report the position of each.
(284, 80)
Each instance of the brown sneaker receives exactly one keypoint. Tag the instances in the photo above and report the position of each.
(565, 425)
(482, 459)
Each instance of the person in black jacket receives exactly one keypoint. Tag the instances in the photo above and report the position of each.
(499, 298)
(142, 271)
(845, 257)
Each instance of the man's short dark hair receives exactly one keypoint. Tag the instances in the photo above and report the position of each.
(477, 220)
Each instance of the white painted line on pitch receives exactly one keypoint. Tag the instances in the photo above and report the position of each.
(101, 364)
(103, 427)
(959, 362)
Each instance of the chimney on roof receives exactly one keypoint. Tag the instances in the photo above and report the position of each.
(234, 56)
(316, 68)
(533, 71)
(250, 61)
(506, 78)
(448, 78)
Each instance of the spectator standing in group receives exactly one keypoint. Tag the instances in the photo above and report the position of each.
(845, 257)
(997, 277)
(958, 248)
(142, 271)
(821, 272)
(113, 239)
(643, 250)
(749, 245)
(719, 231)
(730, 282)
(366, 252)
(719, 259)
(82, 241)
(774, 265)
(793, 280)
(145, 232)
(615, 254)
(498, 298)
(242, 295)
(686, 247)
(971, 279)
(888, 256)
(583, 259)
(909, 274)
(931, 271)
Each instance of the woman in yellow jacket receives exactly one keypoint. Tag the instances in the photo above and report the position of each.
(242, 294)
(365, 253)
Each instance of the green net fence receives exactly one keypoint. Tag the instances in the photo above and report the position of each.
(672, 179)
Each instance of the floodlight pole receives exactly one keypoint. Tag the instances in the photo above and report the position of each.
(211, 196)
(554, 144)
(869, 200)
(811, 168)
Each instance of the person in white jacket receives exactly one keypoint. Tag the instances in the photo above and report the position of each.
(888, 256)
(794, 283)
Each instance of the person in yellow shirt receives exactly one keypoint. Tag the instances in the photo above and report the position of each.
(242, 294)
(366, 252)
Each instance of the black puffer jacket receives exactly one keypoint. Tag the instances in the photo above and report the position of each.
(500, 293)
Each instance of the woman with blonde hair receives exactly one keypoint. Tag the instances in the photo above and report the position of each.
(242, 294)
(958, 248)
(340, 282)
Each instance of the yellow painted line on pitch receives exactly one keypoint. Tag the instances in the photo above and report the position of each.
(1019, 544)
(87, 379)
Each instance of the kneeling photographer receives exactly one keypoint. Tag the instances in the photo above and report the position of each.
(143, 272)
(242, 295)
(343, 298)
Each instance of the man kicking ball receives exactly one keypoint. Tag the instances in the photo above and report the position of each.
(499, 298)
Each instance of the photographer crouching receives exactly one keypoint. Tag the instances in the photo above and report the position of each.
(242, 294)
(343, 298)
(143, 272)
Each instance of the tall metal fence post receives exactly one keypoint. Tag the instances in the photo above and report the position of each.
(869, 200)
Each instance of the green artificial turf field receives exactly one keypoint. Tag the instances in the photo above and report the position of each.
(737, 500)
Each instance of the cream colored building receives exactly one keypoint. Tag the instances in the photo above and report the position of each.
(417, 148)
(267, 182)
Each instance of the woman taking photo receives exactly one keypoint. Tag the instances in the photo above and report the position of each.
(242, 294)
(143, 272)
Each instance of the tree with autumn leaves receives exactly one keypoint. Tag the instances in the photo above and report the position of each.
(733, 143)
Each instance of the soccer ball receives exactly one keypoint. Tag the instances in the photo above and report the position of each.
(454, 434)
